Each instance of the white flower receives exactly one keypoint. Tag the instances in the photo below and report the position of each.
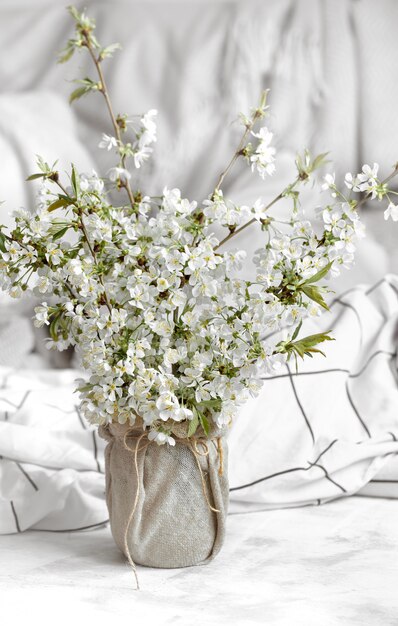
(149, 127)
(108, 142)
(119, 173)
(258, 210)
(14, 252)
(350, 181)
(54, 254)
(41, 315)
(91, 182)
(171, 356)
(391, 211)
(167, 405)
(161, 438)
(264, 156)
(329, 183)
(74, 267)
(275, 362)
(141, 155)
(43, 284)
(365, 181)
(178, 299)
(162, 284)
(183, 414)
(368, 179)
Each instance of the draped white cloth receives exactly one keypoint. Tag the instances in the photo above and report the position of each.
(326, 431)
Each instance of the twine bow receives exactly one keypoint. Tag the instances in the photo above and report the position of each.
(193, 445)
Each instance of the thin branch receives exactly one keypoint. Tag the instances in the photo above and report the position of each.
(253, 220)
(280, 196)
(104, 90)
(256, 115)
(237, 153)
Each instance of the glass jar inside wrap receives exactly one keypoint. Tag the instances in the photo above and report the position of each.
(174, 522)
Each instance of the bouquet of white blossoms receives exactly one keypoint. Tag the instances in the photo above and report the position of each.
(145, 292)
(172, 339)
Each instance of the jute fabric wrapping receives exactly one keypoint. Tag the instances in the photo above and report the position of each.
(167, 505)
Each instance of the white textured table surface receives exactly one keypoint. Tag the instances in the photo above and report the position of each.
(327, 565)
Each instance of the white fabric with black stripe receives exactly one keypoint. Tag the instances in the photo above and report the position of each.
(51, 460)
(330, 429)
(326, 431)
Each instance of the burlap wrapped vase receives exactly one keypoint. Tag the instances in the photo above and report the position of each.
(167, 504)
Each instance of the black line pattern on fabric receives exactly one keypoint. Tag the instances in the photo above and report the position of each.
(283, 508)
(54, 406)
(80, 417)
(354, 408)
(72, 530)
(15, 516)
(20, 405)
(353, 309)
(328, 477)
(375, 286)
(331, 370)
(335, 369)
(49, 467)
(5, 381)
(260, 480)
(370, 359)
(393, 287)
(300, 405)
(380, 480)
(324, 452)
(96, 451)
(25, 473)
(345, 293)
(378, 284)
(393, 436)
(6, 416)
(289, 471)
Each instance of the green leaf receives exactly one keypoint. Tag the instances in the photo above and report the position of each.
(67, 52)
(320, 160)
(193, 424)
(305, 346)
(109, 50)
(204, 423)
(296, 332)
(75, 181)
(34, 176)
(60, 233)
(313, 293)
(78, 93)
(2, 242)
(57, 204)
(313, 340)
(54, 325)
(74, 13)
(318, 276)
(84, 388)
(215, 403)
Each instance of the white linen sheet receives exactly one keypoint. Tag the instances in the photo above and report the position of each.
(311, 436)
